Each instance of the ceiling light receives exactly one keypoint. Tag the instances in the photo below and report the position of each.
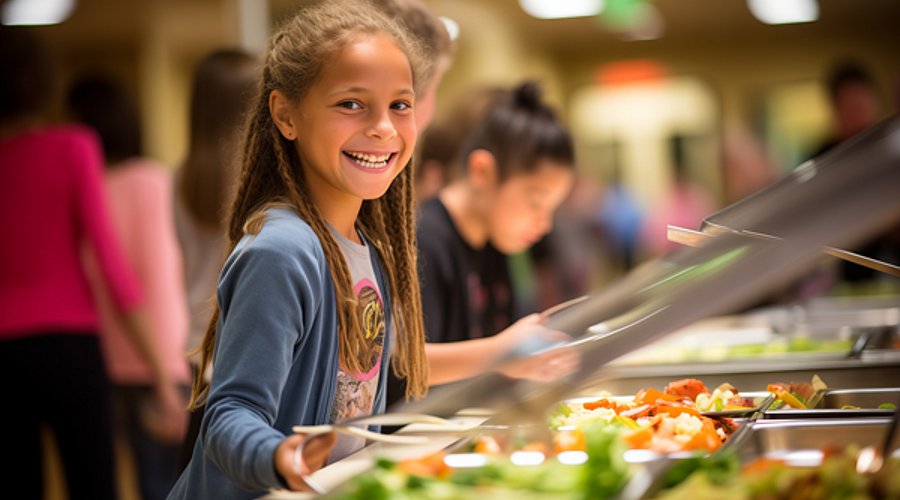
(784, 11)
(35, 12)
(559, 9)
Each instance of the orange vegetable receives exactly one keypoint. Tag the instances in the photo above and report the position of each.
(536, 446)
(674, 411)
(572, 440)
(430, 466)
(639, 439)
(605, 403)
(761, 465)
(651, 396)
(706, 439)
(487, 446)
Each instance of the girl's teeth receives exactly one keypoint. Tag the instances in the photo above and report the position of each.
(370, 161)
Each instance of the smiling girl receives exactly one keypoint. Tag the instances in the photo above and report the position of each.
(322, 245)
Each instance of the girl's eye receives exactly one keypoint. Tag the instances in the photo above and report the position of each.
(352, 105)
(401, 106)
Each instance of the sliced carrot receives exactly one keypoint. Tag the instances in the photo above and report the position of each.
(639, 438)
(705, 439)
(605, 403)
(674, 411)
(651, 396)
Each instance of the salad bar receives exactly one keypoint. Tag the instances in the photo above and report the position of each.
(673, 443)
(673, 400)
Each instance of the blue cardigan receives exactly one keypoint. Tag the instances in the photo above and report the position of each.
(276, 359)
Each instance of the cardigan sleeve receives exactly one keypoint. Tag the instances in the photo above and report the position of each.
(268, 292)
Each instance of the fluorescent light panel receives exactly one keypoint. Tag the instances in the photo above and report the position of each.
(36, 12)
(560, 9)
(784, 11)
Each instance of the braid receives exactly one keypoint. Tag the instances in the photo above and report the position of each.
(412, 347)
(355, 353)
(390, 223)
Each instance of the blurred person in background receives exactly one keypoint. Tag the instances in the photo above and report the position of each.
(517, 167)
(747, 166)
(51, 367)
(440, 142)
(513, 169)
(430, 32)
(221, 93)
(139, 195)
(568, 261)
(684, 205)
(854, 102)
(622, 217)
(855, 106)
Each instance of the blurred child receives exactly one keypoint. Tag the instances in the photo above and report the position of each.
(439, 144)
(517, 167)
(139, 193)
(436, 45)
(51, 368)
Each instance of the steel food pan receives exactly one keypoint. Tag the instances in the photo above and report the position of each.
(801, 442)
(872, 370)
(846, 403)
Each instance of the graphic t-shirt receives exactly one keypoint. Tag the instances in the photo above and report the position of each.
(355, 393)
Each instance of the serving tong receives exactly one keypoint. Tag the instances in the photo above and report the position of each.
(357, 427)
(872, 458)
(691, 237)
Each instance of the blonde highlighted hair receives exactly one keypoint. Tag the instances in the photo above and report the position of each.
(271, 174)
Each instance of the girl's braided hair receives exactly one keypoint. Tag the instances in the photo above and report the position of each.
(271, 175)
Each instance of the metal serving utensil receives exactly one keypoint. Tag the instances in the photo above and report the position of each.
(356, 427)
(691, 237)
(871, 458)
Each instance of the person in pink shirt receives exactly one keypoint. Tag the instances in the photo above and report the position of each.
(139, 194)
(685, 204)
(51, 369)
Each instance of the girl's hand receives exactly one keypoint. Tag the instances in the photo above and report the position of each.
(528, 334)
(314, 455)
(545, 367)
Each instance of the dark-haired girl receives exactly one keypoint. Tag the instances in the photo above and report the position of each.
(516, 168)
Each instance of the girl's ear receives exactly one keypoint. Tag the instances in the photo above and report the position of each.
(280, 109)
(481, 167)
